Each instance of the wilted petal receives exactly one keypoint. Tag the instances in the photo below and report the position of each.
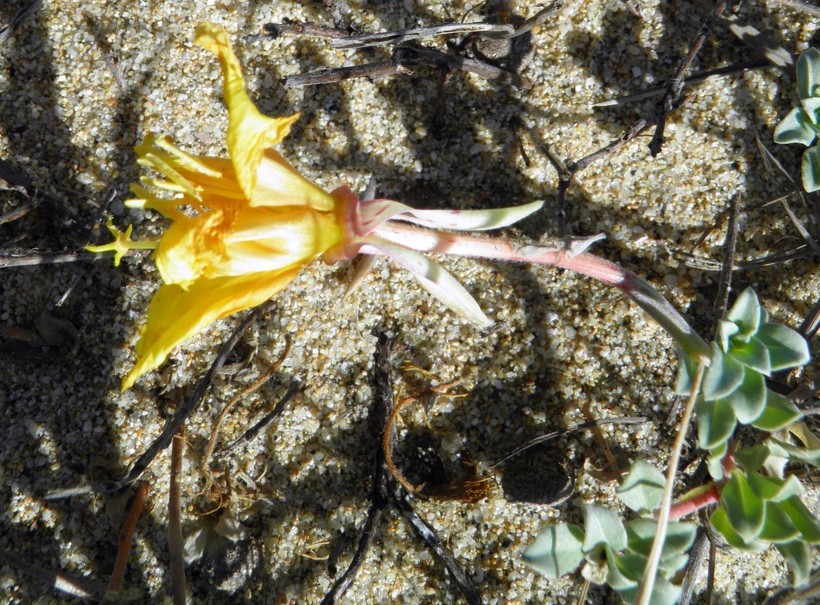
(176, 314)
(432, 276)
(249, 131)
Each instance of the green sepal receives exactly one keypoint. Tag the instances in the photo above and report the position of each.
(723, 376)
(716, 422)
(603, 526)
(778, 413)
(744, 508)
(642, 488)
(556, 550)
(796, 554)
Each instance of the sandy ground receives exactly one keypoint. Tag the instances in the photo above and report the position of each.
(82, 82)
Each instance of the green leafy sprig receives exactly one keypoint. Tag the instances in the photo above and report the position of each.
(802, 124)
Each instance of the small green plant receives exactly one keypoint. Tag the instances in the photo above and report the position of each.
(802, 124)
(757, 503)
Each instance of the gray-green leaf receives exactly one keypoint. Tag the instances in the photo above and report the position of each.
(642, 488)
(603, 526)
(787, 349)
(556, 550)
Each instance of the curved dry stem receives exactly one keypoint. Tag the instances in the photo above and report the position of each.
(651, 569)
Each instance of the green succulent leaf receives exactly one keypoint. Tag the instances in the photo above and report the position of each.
(796, 127)
(796, 554)
(765, 487)
(723, 376)
(749, 399)
(556, 551)
(714, 461)
(753, 354)
(750, 458)
(811, 105)
(663, 593)
(808, 73)
(642, 488)
(671, 565)
(745, 314)
(744, 507)
(603, 526)
(787, 349)
(623, 574)
(806, 523)
(720, 521)
(641, 533)
(793, 452)
(716, 422)
(725, 331)
(778, 413)
(687, 367)
(788, 489)
(810, 169)
(778, 527)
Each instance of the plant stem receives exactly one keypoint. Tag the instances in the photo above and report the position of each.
(568, 254)
(694, 501)
(651, 569)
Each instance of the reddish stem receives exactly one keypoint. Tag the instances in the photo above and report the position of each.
(695, 503)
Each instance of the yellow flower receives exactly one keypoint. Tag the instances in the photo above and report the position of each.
(242, 229)
(256, 222)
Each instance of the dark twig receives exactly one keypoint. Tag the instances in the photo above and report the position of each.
(696, 78)
(14, 259)
(382, 406)
(428, 535)
(674, 92)
(729, 247)
(698, 555)
(175, 544)
(485, 30)
(304, 29)
(22, 15)
(81, 587)
(386, 490)
(405, 59)
(252, 432)
(189, 404)
(627, 420)
(808, 328)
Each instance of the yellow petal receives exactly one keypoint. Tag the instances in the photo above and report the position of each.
(249, 132)
(233, 241)
(279, 184)
(176, 314)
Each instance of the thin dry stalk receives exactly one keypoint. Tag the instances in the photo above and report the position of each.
(127, 533)
(651, 569)
(174, 521)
